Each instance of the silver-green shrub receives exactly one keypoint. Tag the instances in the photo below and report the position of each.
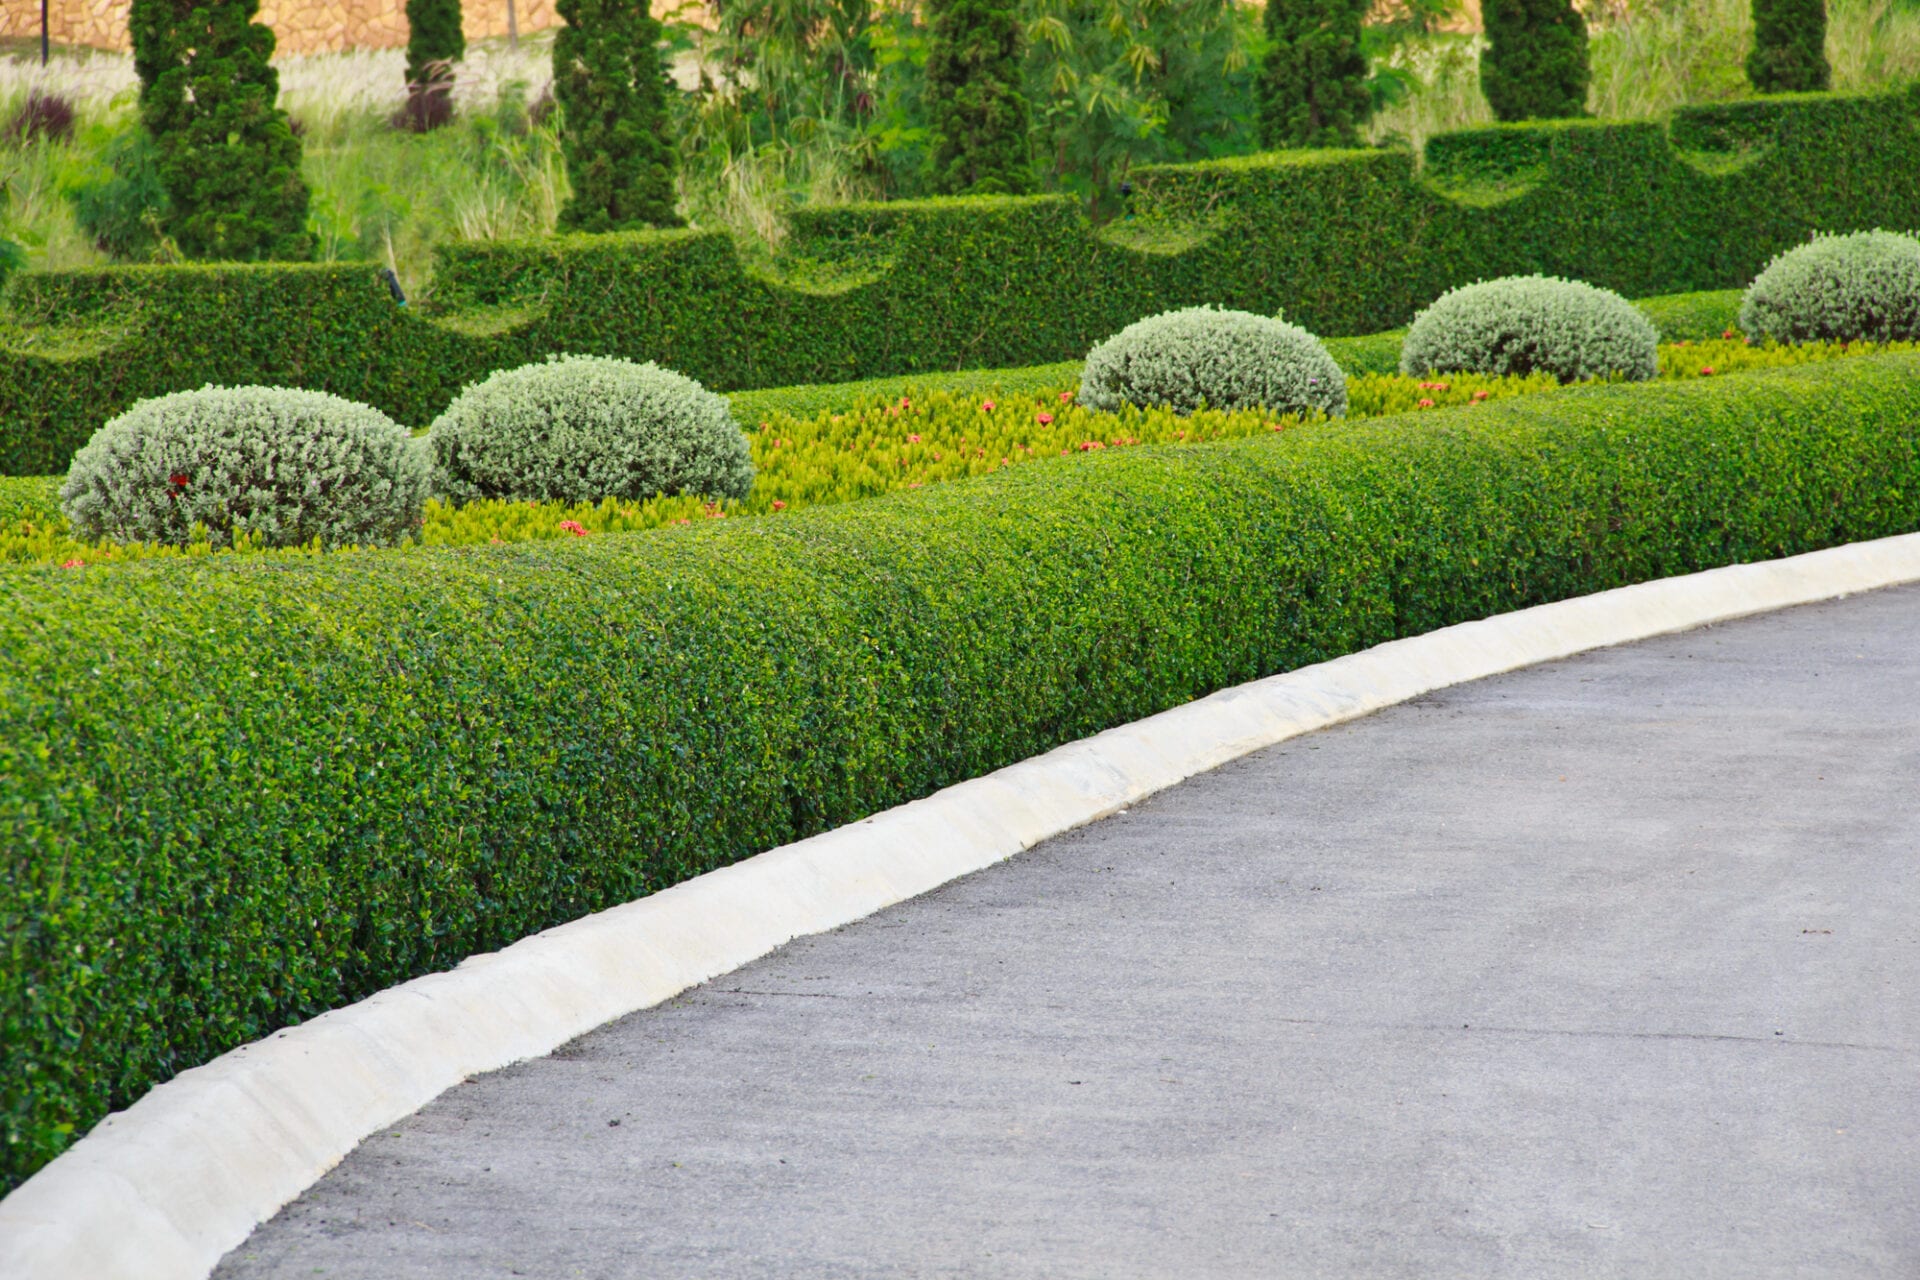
(1863, 287)
(1532, 324)
(1222, 359)
(280, 465)
(587, 428)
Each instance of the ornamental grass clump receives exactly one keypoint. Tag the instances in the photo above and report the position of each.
(1533, 324)
(585, 429)
(273, 466)
(1199, 357)
(1863, 287)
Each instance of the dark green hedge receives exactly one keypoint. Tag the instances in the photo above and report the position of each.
(235, 793)
(1346, 242)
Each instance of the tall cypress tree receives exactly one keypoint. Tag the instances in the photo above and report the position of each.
(1313, 88)
(1535, 66)
(225, 153)
(435, 42)
(978, 113)
(1789, 47)
(612, 93)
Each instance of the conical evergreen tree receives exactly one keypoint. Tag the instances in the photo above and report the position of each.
(1313, 87)
(1789, 47)
(1535, 66)
(978, 113)
(435, 41)
(229, 161)
(612, 93)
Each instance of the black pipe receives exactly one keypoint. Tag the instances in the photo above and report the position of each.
(393, 285)
(43, 32)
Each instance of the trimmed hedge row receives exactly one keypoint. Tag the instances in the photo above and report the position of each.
(235, 792)
(869, 290)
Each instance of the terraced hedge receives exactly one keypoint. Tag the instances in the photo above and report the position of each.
(234, 793)
(872, 290)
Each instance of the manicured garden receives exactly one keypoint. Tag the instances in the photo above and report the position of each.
(342, 638)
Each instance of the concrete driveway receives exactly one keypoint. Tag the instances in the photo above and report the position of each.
(1605, 968)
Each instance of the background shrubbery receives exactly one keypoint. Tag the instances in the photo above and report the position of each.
(585, 429)
(917, 287)
(272, 466)
(1533, 324)
(1854, 288)
(1200, 356)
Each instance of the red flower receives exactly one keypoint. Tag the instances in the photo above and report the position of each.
(1728, 333)
(1479, 395)
(1044, 419)
(1066, 397)
(1426, 403)
(178, 479)
(574, 527)
(779, 505)
(1706, 371)
(913, 439)
(74, 564)
(986, 406)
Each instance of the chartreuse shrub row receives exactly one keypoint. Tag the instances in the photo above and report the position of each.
(1683, 316)
(1342, 242)
(916, 439)
(235, 791)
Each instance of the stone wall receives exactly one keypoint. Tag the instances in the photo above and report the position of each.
(299, 26)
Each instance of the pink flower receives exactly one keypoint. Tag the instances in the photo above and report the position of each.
(779, 505)
(1425, 403)
(574, 527)
(1728, 333)
(1706, 371)
(74, 564)
(1479, 395)
(1066, 397)
(986, 406)
(913, 439)
(1044, 419)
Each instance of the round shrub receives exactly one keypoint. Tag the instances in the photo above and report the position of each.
(1863, 287)
(1222, 359)
(587, 428)
(282, 466)
(1532, 324)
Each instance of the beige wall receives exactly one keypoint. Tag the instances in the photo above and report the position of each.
(299, 26)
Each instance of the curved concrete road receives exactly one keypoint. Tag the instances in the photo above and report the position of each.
(1604, 968)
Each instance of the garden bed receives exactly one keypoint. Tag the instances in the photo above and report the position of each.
(238, 790)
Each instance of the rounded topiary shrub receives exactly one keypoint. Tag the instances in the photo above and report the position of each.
(1863, 287)
(284, 467)
(587, 428)
(1533, 324)
(1222, 359)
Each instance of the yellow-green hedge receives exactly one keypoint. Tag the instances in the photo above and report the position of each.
(236, 791)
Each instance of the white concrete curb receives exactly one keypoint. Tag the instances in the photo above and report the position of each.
(167, 1187)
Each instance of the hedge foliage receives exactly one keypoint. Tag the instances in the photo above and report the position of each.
(1313, 81)
(842, 444)
(1851, 288)
(977, 112)
(281, 466)
(237, 791)
(1789, 53)
(912, 287)
(615, 128)
(223, 147)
